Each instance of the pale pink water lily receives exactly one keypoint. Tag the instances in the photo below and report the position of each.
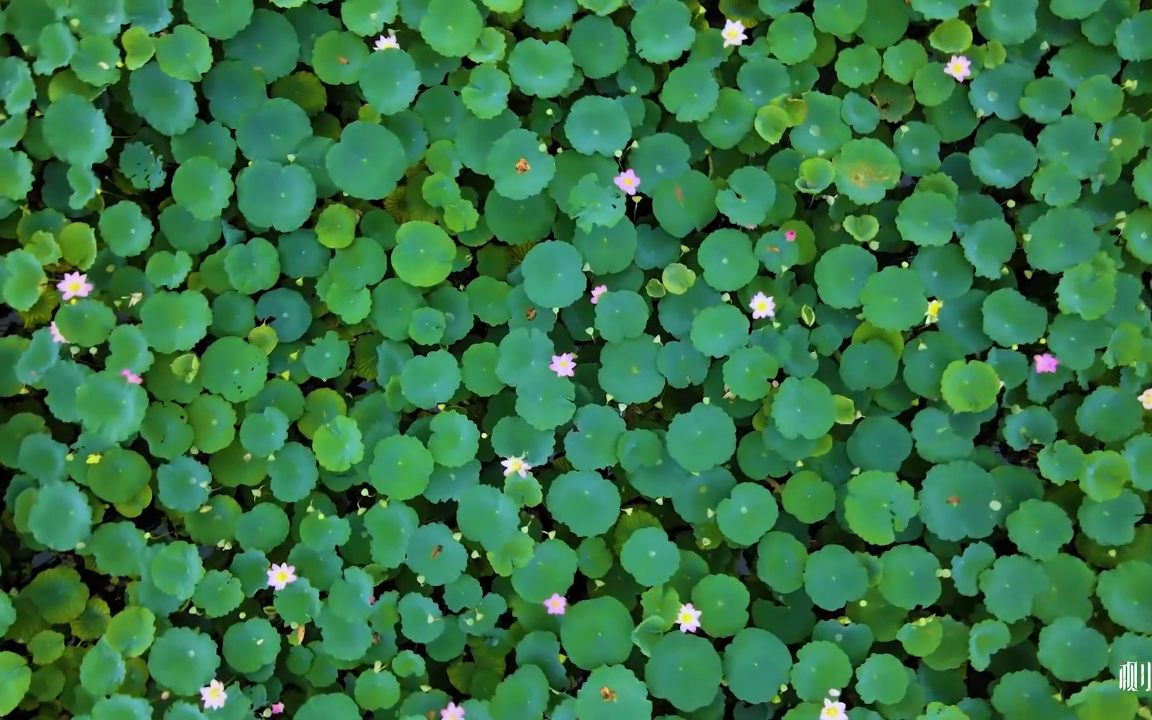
(452, 712)
(74, 285)
(563, 365)
(688, 618)
(790, 235)
(387, 42)
(281, 576)
(1146, 399)
(833, 710)
(277, 708)
(733, 33)
(130, 377)
(959, 67)
(762, 306)
(556, 604)
(213, 696)
(56, 336)
(627, 181)
(1046, 363)
(597, 292)
(515, 465)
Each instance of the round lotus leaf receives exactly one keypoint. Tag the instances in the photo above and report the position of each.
(401, 467)
(749, 196)
(956, 500)
(275, 196)
(691, 93)
(330, 706)
(599, 47)
(1111, 522)
(251, 645)
(367, 162)
(803, 407)
(894, 299)
(881, 678)
(1039, 528)
(820, 665)
(451, 27)
(1072, 651)
(552, 570)
(183, 661)
(650, 557)
(792, 38)
(519, 163)
(868, 364)
(168, 104)
(541, 69)
(553, 275)
(909, 577)
(662, 31)
(435, 555)
(60, 517)
(878, 506)
(597, 632)
(842, 273)
(685, 204)
(834, 577)
(613, 689)
(720, 330)
(747, 514)
(702, 438)
(389, 81)
(969, 386)
(76, 131)
(1119, 590)
(685, 670)
(423, 254)
(597, 125)
(926, 218)
(486, 95)
(584, 501)
(756, 665)
(865, 170)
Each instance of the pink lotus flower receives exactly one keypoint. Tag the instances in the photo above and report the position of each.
(213, 696)
(959, 67)
(563, 365)
(277, 708)
(556, 604)
(281, 576)
(387, 42)
(833, 711)
(515, 465)
(132, 379)
(1046, 363)
(627, 182)
(688, 618)
(790, 235)
(733, 33)
(597, 292)
(56, 336)
(1146, 399)
(452, 712)
(74, 285)
(762, 307)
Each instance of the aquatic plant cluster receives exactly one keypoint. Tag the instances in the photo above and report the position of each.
(575, 359)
